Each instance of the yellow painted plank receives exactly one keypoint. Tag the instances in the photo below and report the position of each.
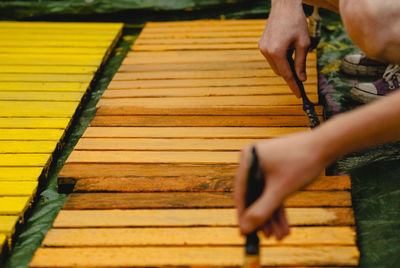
(152, 157)
(59, 37)
(39, 69)
(30, 160)
(54, 43)
(12, 31)
(191, 217)
(7, 224)
(19, 188)
(188, 132)
(194, 236)
(20, 173)
(266, 73)
(31, 134)
(61, 25)
(38, 108)
(45, 77)
(12, 205)
(192, 256)
(45, 59)
(3, 240)
(27, 146)
(41, 96)
(33, 122)
(44, 86)
(53, 50)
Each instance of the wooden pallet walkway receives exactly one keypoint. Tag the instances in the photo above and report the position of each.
(152, 175)
(45, 71)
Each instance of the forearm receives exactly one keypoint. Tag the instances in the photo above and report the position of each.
(372, 124)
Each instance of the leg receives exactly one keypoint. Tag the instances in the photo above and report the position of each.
(374, 26)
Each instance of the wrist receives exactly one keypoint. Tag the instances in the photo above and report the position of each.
(327, 147)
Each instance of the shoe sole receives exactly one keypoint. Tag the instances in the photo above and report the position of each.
(363, 96)
(361, 70)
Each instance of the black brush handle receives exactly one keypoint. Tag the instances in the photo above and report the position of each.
(308, 106)
(254, 188)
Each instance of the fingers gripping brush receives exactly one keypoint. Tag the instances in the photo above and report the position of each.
(308, 106)
(254, 188)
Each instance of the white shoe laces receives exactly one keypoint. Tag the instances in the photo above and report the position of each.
(392, 71)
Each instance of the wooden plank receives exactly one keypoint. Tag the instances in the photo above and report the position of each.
(165, 157)
(197, 236)
(185, 47)
(20, 173)
(55, 69)
(193, 256)
(81, 201)
(10, 77)
(54, 43)
(40, 96)
(29, 160)
(132, 76)
(61, 25)
(7, 224)
(205, 28)
(19, 188)
(14, 205)
(33, 122)
(187, 132)
(27, 146)
(192, 217)
(54, 50)
(185, 41)
(60, 36)
(201, 121)
(38, 108)
(31, 134)
(206, 22)
(198, 66)
(253, 33)
(235, 82)
(44, 86)
(188, 184)
(44, 59)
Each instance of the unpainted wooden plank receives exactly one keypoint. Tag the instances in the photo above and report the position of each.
(205, 22)
(11, 77)
(185, 47)
(20, 173)
(196, 236)
(252, 33)
(38, 108)
(18, 188)
(227, 40)
(44, 86)
(192, 256)
(7, 224)
(31, 134)
(27, 146)
(209, 82)
(34, 122)
(201, 121)
(38, 69)
(187, 183)
(198, 66)
(132, 76)
(29, 160)
(81, 201)
(205, 28)
(188, 132)
(14, 205)
(193, 217)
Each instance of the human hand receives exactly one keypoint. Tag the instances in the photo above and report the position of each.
(289, 163)
(286, 29)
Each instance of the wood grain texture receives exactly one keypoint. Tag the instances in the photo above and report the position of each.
(195, 236)
(188, 184)
(194, 256)
(201, 121)
(192, 217)
(81, 201)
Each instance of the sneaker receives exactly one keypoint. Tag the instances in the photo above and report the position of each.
(361, 65)
(367, 92)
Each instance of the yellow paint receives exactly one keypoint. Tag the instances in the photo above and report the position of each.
(14, 205)
(27, 69)
(53, 43)
(38, 108)
(27, 146)
(20, 173)
(30, 160)
(61, 25)
(46, 77)
(18, 188)
(45, 59)
(52, 50)
(60, 37)
(33, 122)
(40, 96)
(31, 134)
(44, 86)
(7, 224)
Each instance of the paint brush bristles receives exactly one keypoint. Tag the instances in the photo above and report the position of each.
(254, 188)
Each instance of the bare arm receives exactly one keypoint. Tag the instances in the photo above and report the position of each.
(293, 161)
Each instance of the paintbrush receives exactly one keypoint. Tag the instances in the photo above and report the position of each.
(314, 28)
(254, 188)
(308, 106)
